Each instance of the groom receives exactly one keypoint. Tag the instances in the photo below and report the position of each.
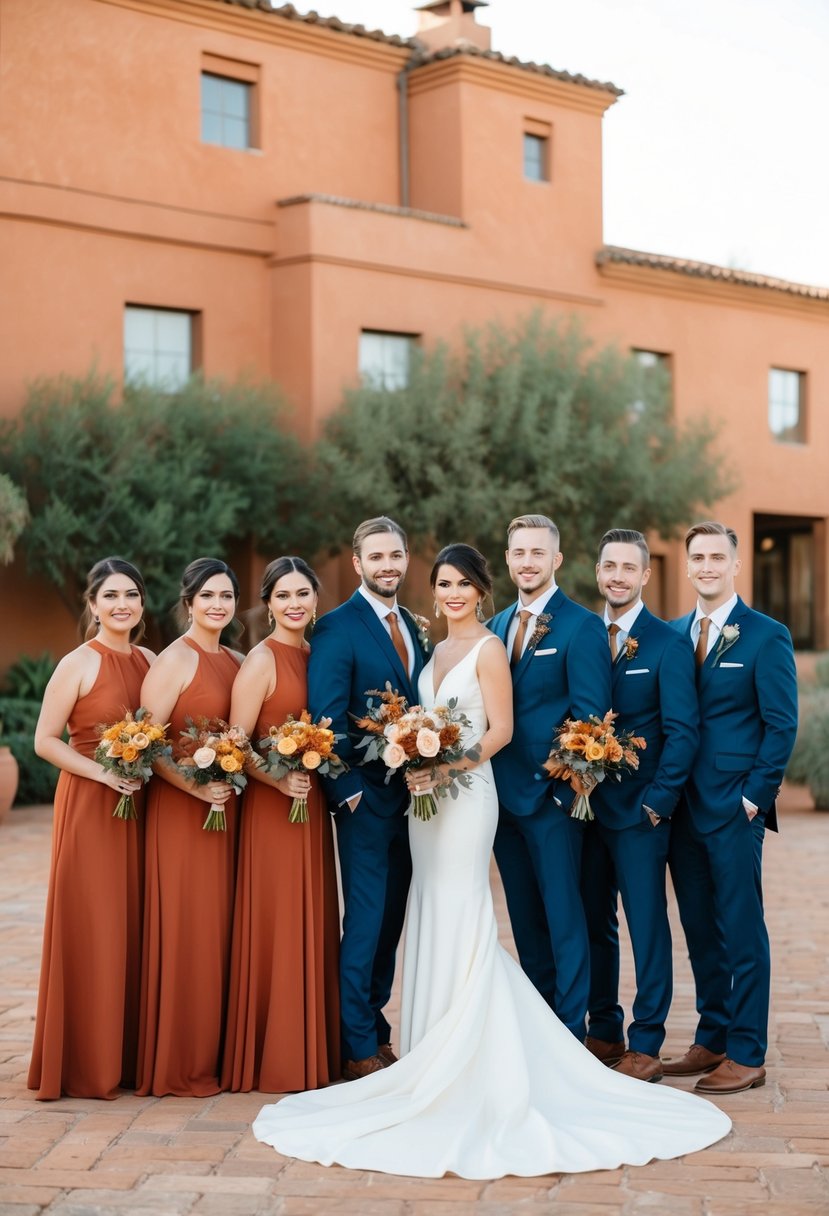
(360, 646)
(560, 669)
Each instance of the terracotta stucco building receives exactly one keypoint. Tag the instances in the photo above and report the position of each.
(218, 185)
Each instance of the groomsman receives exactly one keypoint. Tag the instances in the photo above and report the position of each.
(747, 688)
(358, 647)
(626, 848)
(560, 669)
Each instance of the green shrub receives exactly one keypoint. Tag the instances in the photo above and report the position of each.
(822, 671)
(38, 778)
(809, 763)
(28, 677)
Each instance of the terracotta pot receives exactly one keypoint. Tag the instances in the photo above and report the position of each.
(9, 774)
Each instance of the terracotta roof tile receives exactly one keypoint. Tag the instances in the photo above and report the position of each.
(707, 270)
(287, 12)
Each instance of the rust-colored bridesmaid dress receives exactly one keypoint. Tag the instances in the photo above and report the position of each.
(188, 905)
(87, 1005)
(283, 1030)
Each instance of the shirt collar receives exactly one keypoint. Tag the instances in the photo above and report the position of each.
(382, 610)
(720, 615)
(537, 606)
(628, 619)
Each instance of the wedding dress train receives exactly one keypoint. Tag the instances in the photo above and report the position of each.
(489, 1081)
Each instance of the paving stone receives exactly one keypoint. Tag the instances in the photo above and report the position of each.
(177, 1156)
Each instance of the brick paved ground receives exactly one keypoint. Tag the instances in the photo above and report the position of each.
(176, 1156)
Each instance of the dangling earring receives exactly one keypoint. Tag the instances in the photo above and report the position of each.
(437, 611)
(189, 616)
(479, 611)
(313, 618)
(270, 619)
(97, 620)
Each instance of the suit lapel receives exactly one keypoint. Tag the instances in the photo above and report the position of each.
(382, 638)
(640, 626)
(550, 607)
(734, 616)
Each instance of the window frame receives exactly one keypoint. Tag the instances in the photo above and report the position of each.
(153, 379)
(233, 71)
(796, 433)
(367, 379)
(541, 133)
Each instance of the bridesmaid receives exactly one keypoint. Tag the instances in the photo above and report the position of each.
(188, 893)
(87, 1009)
(283, 1019)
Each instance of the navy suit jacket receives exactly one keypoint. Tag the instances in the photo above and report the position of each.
(566, 674)
(351, 653)
(748, 720)
(655, 696)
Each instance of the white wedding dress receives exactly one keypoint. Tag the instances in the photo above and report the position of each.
(489, 1081)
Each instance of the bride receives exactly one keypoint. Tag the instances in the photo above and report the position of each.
(489, 1081)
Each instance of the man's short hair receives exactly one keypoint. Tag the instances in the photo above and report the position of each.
(381, 523)
(534, 521)
(626, 536)
(711, 528)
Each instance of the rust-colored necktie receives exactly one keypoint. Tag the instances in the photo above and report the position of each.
(397, 640)
(521, 633)
(612, 630)
(702, 641)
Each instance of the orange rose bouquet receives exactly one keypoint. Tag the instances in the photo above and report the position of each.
(406, 737)
(210, 750)
(592, 751)
(129, 748)
(300, 745)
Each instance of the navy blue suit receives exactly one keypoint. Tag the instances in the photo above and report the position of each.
(566, 674)
(654, 694)
(351, 653)
(748, 722)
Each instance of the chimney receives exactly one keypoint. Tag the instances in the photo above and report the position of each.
(450, 23)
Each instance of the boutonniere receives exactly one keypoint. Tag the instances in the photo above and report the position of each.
(421, 624)
(730, 634)
(542, 628)
(631, 646)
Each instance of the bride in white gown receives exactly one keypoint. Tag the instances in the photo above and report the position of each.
(489, 1081)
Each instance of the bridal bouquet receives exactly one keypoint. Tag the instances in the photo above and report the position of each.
(594, 751)
(210, 750)
(129, 748)
(405, 736)
(300, 745)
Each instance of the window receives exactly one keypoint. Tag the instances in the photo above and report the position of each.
(229, 102)
(655, 378)
(537, 150)
(385, 359)
(787, 415)
(158, 346)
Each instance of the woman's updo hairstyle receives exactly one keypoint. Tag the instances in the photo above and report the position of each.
(468, 562)
(196, 575)
(95, 580)
(281, 566)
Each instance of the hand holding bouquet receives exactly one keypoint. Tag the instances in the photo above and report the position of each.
(405, 737)
(209, 750)
(128, 749)
(585, 753)
(301, 746)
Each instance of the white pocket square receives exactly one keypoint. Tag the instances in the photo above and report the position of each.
(637, 671)
(732, 664)
(552, 651)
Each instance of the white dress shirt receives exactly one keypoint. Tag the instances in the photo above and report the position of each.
(383, 610)
(536, 607)
(625, 622)
(717, 618)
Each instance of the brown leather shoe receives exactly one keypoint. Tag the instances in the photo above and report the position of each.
(609, 1053)
(354, 1069)
(386, 1054)
(730, 1078)
(697, 1059)
(643, 1068)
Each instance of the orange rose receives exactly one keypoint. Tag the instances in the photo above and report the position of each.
(594, 751)
(129, 753)
(115, 749)
(286, 746)
(229, 764)
(312, 759)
